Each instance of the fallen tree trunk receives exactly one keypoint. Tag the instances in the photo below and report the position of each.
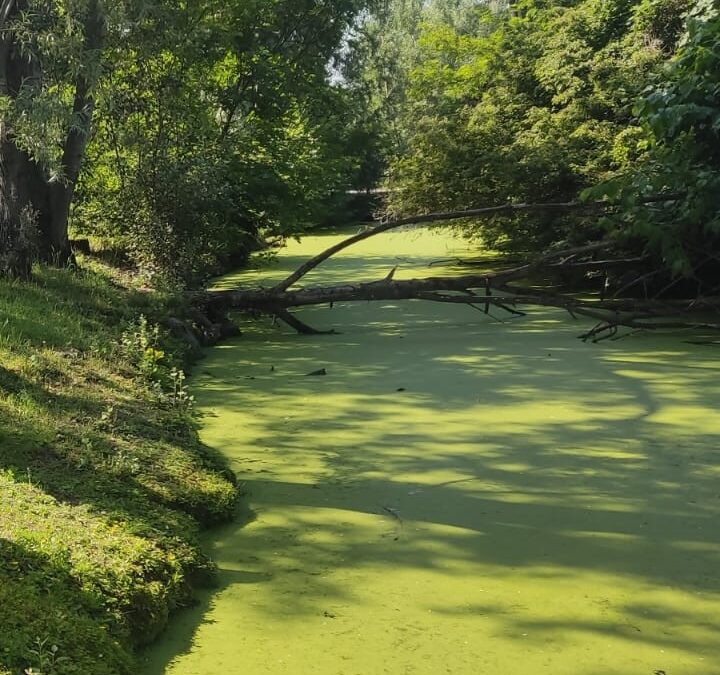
(482, 291)
(479, 291)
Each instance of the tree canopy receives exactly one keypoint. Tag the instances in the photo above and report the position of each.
(181, 133)
(203, 122)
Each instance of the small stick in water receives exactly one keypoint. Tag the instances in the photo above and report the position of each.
(395, 514)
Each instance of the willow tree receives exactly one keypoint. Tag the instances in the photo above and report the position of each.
(49, 62)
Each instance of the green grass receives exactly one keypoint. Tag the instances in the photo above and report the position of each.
(104, 485)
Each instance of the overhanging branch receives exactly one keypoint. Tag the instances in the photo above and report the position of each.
(446, 216)
(497, 289)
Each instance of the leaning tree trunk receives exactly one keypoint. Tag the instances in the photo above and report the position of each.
(76, 142)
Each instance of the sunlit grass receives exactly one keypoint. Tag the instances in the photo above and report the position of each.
(101, 487)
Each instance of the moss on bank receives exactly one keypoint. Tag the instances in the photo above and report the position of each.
(103, 482)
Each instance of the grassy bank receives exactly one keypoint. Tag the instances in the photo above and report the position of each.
(103, 482)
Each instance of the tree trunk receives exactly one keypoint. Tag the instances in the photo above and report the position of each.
(76, 142)
(33, 210)
(24, 210)
(498, 289)
(24, 196)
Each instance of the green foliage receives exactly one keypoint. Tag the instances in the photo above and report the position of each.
(216, 122)
(541, 101)
(39, 109)
(140, 346)
(213, 123)
(178, 395)
(220, 122)
(528, 104)
(103, 482)
(681, 123)
(381, 51)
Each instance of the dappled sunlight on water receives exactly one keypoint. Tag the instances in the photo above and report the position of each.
(457, 494)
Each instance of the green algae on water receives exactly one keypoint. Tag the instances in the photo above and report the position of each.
(458, 494)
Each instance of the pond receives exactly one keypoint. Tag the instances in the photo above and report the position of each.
(458, 493)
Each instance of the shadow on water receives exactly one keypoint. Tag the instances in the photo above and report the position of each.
(183, 627)
(545, 496)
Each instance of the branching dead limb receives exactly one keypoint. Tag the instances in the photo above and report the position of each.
(498, 289)
(445, 216)
(295, 323)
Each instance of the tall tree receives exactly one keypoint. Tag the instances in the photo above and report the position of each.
(213, 118)
(526, 101)
(48, 65)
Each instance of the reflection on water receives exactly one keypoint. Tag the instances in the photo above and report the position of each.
(457, 494)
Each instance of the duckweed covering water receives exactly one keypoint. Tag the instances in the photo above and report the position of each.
(457, 495)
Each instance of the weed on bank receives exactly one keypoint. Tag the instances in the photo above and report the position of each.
(104, 484)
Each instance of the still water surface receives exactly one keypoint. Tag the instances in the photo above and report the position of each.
(457, 494)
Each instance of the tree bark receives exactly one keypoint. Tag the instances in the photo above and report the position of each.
(479, 291)
(24, 199)
(34, 211)
(62, 192)
(498, 289)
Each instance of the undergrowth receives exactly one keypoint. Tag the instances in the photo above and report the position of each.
(104, 484)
